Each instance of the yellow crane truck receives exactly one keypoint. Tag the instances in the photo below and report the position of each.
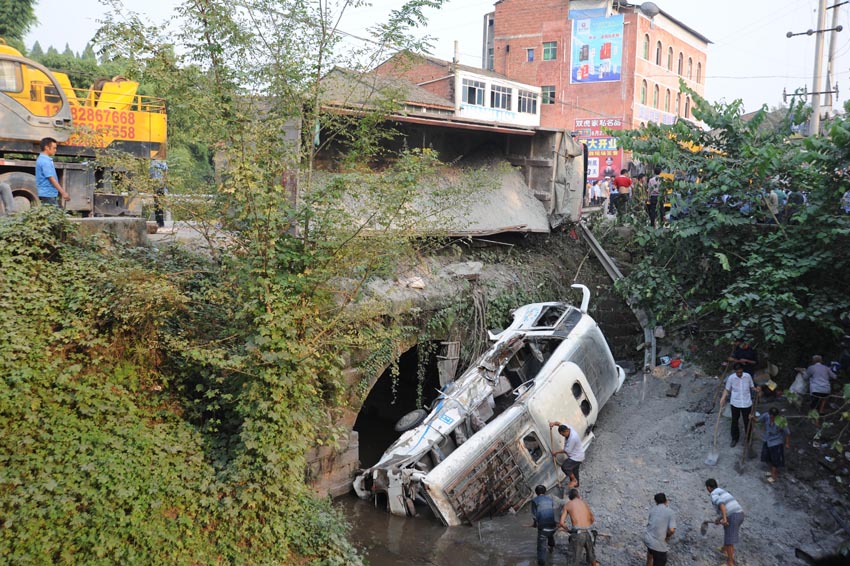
(36, 103)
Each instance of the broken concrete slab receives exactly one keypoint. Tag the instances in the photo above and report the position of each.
(469, 270)
(673, 389)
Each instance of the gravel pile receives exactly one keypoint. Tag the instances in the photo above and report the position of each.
(661, 444)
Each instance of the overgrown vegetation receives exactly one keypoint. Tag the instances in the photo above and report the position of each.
(727, 267)
(159, 406)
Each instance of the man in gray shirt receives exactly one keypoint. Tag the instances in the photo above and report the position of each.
(659, 528)
(819, 377)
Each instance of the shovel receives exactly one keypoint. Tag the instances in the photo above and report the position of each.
(739, 466)
(711, 459)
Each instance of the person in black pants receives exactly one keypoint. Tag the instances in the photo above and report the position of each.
(739, 388)
(544, 512)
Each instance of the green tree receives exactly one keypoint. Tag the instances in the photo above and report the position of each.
(250, 348)
(17, 17)
(88, 53)
(36, 51)
(68, 52)
(725, 255)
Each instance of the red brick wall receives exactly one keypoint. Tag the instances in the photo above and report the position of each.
(419, 70)
(522, 24)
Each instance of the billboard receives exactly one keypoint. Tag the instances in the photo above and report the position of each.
(597, 50)
(604, 157)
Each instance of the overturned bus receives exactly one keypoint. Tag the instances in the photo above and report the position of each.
(486, 441)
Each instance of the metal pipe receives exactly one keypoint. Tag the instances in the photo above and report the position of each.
(830, 60)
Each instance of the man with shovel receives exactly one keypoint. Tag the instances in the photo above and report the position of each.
(739, 387)
(731, 515)
(574, 451)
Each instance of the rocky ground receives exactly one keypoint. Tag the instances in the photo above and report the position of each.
(645, 444)
(661, 443)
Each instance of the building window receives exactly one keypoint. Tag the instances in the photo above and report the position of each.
(550, 50)
(646, 47)
(527, 102)
(500, 97)
(687, 107)
(547, 95)
(669, 58)
(643, 92)
(529, 55)
(658, 53)
(690, 68)
(473, 92)
(655, 97)
(699, 73)
(681, 63)
(678, 102)
(667, 101)
(490, 58)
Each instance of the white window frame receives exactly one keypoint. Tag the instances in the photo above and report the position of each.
(500, 97)
(526, 102)
(470, 86)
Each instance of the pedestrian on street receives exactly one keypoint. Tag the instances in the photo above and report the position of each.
(581, 535)
(159, 174)
(654, 188)
(545, 511)
(46, 180)
(739, 386)
(574, 451)
(730, 515)
(623, 186)
(775, 436)
(660, 527)
(819, 377)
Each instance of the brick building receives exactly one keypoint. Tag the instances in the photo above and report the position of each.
(599, 63)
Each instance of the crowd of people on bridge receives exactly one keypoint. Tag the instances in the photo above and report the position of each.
(776, 201)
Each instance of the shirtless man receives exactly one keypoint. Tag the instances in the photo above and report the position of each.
(581, 538)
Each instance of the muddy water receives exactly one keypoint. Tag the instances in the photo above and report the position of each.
(386, 540)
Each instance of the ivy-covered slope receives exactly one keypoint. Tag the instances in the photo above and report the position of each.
(115, 449)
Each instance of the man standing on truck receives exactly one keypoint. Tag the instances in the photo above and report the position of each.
(573, 449)
(46, 180)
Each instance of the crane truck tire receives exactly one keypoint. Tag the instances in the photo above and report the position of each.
(24, 191)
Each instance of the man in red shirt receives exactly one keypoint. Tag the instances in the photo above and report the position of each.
(623, 185)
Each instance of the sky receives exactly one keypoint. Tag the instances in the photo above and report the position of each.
(750, 57)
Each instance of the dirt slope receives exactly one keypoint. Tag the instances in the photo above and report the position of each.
(659, 445)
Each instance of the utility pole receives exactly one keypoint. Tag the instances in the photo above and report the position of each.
(830, 60)
(817, 79)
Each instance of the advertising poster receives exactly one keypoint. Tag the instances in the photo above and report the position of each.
(597, 50)
(604, 158)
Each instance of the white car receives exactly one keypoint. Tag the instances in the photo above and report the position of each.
(486, 442)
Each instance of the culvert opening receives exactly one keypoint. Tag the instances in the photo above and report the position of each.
(392, 398)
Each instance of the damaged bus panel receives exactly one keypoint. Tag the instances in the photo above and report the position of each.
(486, 441)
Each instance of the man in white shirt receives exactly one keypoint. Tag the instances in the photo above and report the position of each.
(573, 449)
(739, 388)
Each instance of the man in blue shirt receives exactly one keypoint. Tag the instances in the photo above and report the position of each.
(775, 435)
(545, 510)
(46, 180)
